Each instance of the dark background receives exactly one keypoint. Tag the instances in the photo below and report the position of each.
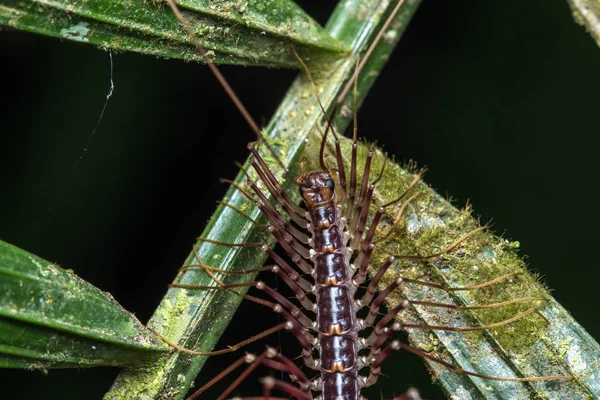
(498, 99)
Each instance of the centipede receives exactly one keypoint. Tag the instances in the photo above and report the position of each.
(327, 264)
(444, 261)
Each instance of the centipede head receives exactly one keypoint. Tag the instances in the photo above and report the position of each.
(316, 188)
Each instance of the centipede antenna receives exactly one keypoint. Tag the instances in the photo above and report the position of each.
(372, 47)
(223, 82)
(354, 110)
(327, 117)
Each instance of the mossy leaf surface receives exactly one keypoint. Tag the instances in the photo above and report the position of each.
(234, 32)
(50, 318)
(532, 346)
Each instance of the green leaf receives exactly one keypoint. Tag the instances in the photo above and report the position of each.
(50, 318)
(256, 33)
(528, 347)
(196, 319)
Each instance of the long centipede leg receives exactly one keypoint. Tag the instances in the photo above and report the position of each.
(242, 213)
(293, 323)
(359, 220)
(229, 349)
(477, 328)
(285, 272)
(239, 188)
(397, 345)
(444, 251)
(365, 181)
(201, 265)
(297, 218)
(464, 288)
(273, 185)
(298, 320)
(276, 219)
(399, 282)
(267, 359)
(248, 358)
(283, 364)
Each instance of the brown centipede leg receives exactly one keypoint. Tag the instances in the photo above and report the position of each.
(365, 179)
(283, 364)
(292, 273)
(444, 251)
(366, 245)
(359, 220)
(285, 272)
(276, 219)
(239, 188)
(381, 332)
(300, 220)
(276, 362)
(295, 321)
(298, 322)
(202, 266)
(480, 306)
(242, 213)
(230, 349)
(464, 288)
(372, 288)
(298, 291)
(477, 328)
(262, 169)
(399, 282)
(291, 246)
(268, 358)
(397, 345)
